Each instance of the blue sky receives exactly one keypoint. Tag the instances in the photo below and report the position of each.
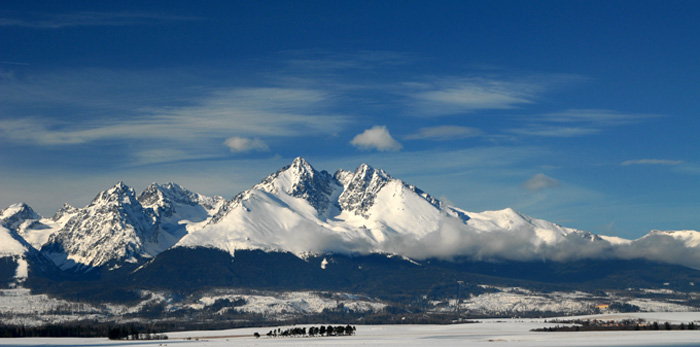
(579, 112)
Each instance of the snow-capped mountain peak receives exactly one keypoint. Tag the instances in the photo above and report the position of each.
(65, 210)
(120, 194)
(116, 227)
(176, 210)
(360, 188)
(162, 198)
(112, 228)
(155, 193)
(301, 180)
(299, 207)
(17, 214)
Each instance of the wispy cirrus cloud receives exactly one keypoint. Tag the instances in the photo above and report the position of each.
(540, 182)
(651, 162)
(323, 60)
(158, 115)
(245, 111)
(444, 132)
(14, 63)
(239, 144)
(600, 117)
(465, 95)
(36, 20)
(554, 131)
(576, 122)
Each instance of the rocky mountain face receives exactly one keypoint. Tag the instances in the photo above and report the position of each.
(175, 211)
(304, 211)
(114, 227)
(302, 181)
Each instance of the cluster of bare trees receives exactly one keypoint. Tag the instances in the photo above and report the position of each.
(313, 331)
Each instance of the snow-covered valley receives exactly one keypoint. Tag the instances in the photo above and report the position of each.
(490, 332)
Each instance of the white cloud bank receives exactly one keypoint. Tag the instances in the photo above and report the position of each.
(378, 138)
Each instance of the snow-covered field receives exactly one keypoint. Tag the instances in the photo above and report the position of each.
(510, 332)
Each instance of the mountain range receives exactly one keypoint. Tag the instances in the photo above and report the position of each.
(306, 214)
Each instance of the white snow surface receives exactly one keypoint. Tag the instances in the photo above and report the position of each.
(12, 245)
(9, 244)
(491, 332)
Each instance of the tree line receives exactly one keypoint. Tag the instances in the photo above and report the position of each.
(587, 325)
(86, 329)
(133, 332)
(313, 331)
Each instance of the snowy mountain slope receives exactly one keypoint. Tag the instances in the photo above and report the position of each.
(18, 245)
(299, 209)
(283, 212)
(16, 249)
(10, 244)
(18, 224)
(34, 228)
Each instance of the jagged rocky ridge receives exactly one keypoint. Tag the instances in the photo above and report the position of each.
(304, 211)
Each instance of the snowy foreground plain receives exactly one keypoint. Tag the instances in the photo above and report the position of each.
(491, 332)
